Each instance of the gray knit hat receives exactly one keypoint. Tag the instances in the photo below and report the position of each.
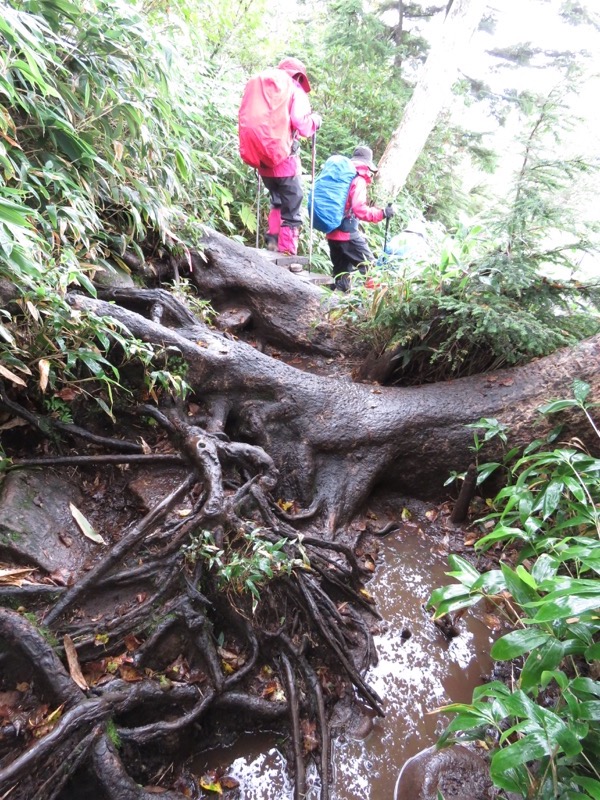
(364, 155)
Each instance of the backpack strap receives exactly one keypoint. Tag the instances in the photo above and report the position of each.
(350, 222)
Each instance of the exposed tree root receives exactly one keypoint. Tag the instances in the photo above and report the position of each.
(192, 636)
(229, 484)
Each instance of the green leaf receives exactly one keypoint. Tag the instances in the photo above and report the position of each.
(516, 643)
(592, 653)
(590, 710)
(564, 607)
(485, 470)
(557, 405)
(580, 390)
(524, 751)
(462, 570)
(552, 497)
(591, 785)
(541, 659)
(521, 591)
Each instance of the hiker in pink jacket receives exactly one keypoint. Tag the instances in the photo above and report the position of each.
(283, 181)
(348, 248)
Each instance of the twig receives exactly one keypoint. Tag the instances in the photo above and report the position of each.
(290, 689)
(62, 461)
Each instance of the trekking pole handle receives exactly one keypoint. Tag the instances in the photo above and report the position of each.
(387, 227)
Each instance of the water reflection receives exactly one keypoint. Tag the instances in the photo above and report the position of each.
(414, 676)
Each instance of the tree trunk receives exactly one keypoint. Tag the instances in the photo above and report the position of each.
(333, 441)
(286, 310)
(429, 97)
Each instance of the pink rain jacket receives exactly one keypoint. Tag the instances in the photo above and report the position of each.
(357, 203)
(303, 124)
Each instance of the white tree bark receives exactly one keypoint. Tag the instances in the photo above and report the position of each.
(429, 97)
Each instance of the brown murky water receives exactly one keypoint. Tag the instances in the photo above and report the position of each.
(414, 676)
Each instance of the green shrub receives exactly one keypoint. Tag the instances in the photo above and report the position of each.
(544, 731)
(458, 315)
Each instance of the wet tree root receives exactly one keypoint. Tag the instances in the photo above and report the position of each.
(228, 480)
(260, 433)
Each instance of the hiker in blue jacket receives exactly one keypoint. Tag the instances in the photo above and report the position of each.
(348, 248)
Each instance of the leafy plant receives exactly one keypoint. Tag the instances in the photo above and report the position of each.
(246, 563)
(102, 142)
(459, 316)
(545, 730)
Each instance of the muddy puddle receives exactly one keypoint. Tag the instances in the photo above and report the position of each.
(414, 676)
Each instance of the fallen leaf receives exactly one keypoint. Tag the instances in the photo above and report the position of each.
(310, 741)
(227, 782)
(179, 670)
(15, 422)
(274, 691)
(129, 673)
(131, 642)
(67, 394)
(432, 514)
(210, 784)
(43, 728)
(44, 368)
(368, 597)
(492, 622)
(11, 376)
(33, 310)
(73, 662)
(234, 659)
(369, 564)
(14, 576)
(85, 525)
(406, 515)
(470, 540)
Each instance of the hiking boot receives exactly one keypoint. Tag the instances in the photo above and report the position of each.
(288, 240)
(271, 242)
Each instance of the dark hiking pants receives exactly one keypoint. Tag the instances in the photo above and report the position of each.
(286, 195)
(348, 256)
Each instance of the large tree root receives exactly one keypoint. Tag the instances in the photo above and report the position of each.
(231, 483)
(261, 437)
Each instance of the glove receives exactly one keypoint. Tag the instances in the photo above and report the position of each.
(317, 119)
(388, 211)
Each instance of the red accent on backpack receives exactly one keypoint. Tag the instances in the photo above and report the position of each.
(264, 126)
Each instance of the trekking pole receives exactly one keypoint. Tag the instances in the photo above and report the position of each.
(387, 227)
(312, 205)
(258, 211)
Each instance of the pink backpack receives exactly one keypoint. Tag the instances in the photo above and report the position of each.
(264, 125)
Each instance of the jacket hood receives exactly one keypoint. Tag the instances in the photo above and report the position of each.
(295, 68)
(363, 170)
